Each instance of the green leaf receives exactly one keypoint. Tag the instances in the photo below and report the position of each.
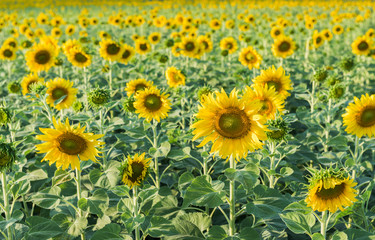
(161, 227)
(216, 233)
(16, 216)
(79, 225)
(184, 181)
(186, 228)
(35, 175)
(46, 229)
(200, 220)
(48, 198)
(298, 206)
(249, 233)
(109, 232)
(286, 171)
(298, 223)
(357, 234)
(317, 236)
(201, 193)
(96, 204)
(339, 236)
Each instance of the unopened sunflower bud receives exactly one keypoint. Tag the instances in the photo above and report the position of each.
(14, 87)
(98, 98)
(7, 156)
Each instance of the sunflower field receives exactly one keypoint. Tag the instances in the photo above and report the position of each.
(191, 119)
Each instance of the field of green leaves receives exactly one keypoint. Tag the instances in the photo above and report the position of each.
(187, 120)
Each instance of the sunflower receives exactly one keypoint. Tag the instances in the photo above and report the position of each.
(67, 145)
(271, 101)
(176, 50)
(70, 29)
(11, 42)
(110, 50)
(229, 44)
(370, 33)
(283, 46)
(79, 58)
(150, 104)
(327, 34)
(40, 32)
(135, 170)
(127, 53)
(142, 46)
(174, 77)
(231, 124)
(275, 78)
(7, 53)
(206, 42)
(215, 24)
(337, 29)
(103, 34)
(189, 46)
(330, 189)
(276, 32)
(154, 38)
(70, 44)
(318, 39)
(229, 24)
(56, 32)
(136, 85)
(250, 57)
(362, 45)
(360, 116)
(60, 88)
(41, 57)
(28, 81)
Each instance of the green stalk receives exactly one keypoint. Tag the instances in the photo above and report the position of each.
(155, 145)
(6, 202)
(135, 213)
(110, 76)
(232, 201)
(355, 157)
(323, 224)
(312, 97)
(78, 183)
(272, 164)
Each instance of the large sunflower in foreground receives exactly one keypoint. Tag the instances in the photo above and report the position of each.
(135, 170)
(150, 104)
(249, 57)
(174, 77)
(41, 57)
(362, 45)
(330, 189)
(271, 101)
(136, 85)
(275, 78)
(233, 125)
(67, 145)
(57, 89)
(359, 117)
(28, 81)
(283, 46)
(110, 50)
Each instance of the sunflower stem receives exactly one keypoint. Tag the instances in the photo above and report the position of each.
(312, 97)
(323, 224)
(6, 202)
(355, 156)
(272, 164)
(110, 75)
(78, 183)
(155, 145)
(232, 200)
(135, 213)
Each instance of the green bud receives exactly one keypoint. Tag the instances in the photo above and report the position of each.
(5, 116)
(77, 106)
(7, 156)
(98, 98)
(14, 87)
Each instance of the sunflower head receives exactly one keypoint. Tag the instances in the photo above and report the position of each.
(337, 91)
(203, 92)
(5, 116)
(134, 170)
(347, 64)
(128, 104)
(98, 98)
(279, 129)
(320, 75)
(61, 93)
(77, 106)
(333, 79)
(136, 85)
(169, 43)
(7, 156)
(151, 104)
(330, 189)
(14, 87)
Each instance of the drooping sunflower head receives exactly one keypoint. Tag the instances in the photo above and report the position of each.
(228, 43)
(98, 98)
(142, 46)
(359, 117)
(28, 81)
(134, 171)
(271, 102)
(136, 85)
(79, 58)
(249, 57)
(8, 156)
(174, 77)
(275, 78)
(110, 50)
(279, 129)
(61, 94)
(233, 125)
(41, 57)
(283, 46)
(127, 53)
(151, 104)
(5, 116)
(330, 189)
(67, 145)
(362, 45)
